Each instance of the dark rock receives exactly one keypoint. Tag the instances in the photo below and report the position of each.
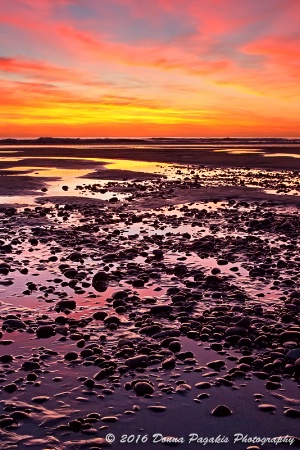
(6, 422)
(138, 283)
(166, 333)
(289, 336)
(217, 365)
(236, 331)
(71, 356)
(66, 304)
(203, 385)
(10, 388)
(180, 270)
(70, 273)
(30, 365)
(45, 331)
(100, 315)
(142, 388)
(293, 354)
(40, 399)
(158, 253)
(15, 324)
(75, 425)
(272, 385)
(244, 322)
(109, 320)
(175, 346)
(6, 359)
(294, 413)
(150, 330)
(19, 415)
(161, 309)
(221, 411)
(136, 361)
(169, 363)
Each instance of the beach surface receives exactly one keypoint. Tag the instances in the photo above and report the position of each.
(149, 296)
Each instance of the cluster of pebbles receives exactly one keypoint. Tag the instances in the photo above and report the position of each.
(107, 312)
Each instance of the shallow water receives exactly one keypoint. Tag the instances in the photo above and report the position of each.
(274, 183)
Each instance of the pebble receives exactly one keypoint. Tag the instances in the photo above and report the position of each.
(157, 408)
(293, 354)
(183, 388)
(217, 365)
(6, 359)
(273, 385)
(169, 363)
(30, 365)
(75, 425)
(71, 356)
(142, 388)
(5, 342)
(203, 385)
(40, 399)
(15, 324)
(109, 320)
(161, 309)
(10, 388)
(66, 304)
(203, 395)
(294, 413)
(236, 331)
(175, 346)
(100, 315)
(6, 422)
(267, 407)
(45, 331)
(109, 419)
(99, 281)
(20, 415)
(289, 335)
(221, 411)
(136, 361)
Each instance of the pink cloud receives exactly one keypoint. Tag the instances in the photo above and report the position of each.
(145, 55)
(39, 69)
(281, 53)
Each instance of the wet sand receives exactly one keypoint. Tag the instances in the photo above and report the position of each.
(181, 151)
(166, 313)
(172, 156)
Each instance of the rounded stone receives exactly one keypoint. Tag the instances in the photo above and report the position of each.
(45, 331)
(221, 411)
(142, 388)
(267, 407)
(294, 413)
(71, 356)
(66, 304)
(100, 315)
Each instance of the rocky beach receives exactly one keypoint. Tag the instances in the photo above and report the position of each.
(150, 294)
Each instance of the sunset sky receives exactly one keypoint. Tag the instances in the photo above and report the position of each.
(149, 68)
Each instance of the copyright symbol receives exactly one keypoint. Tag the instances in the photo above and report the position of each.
(110, 438)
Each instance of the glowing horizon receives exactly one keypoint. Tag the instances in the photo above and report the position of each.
(134, 68)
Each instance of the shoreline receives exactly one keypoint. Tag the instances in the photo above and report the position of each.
(168, 156)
